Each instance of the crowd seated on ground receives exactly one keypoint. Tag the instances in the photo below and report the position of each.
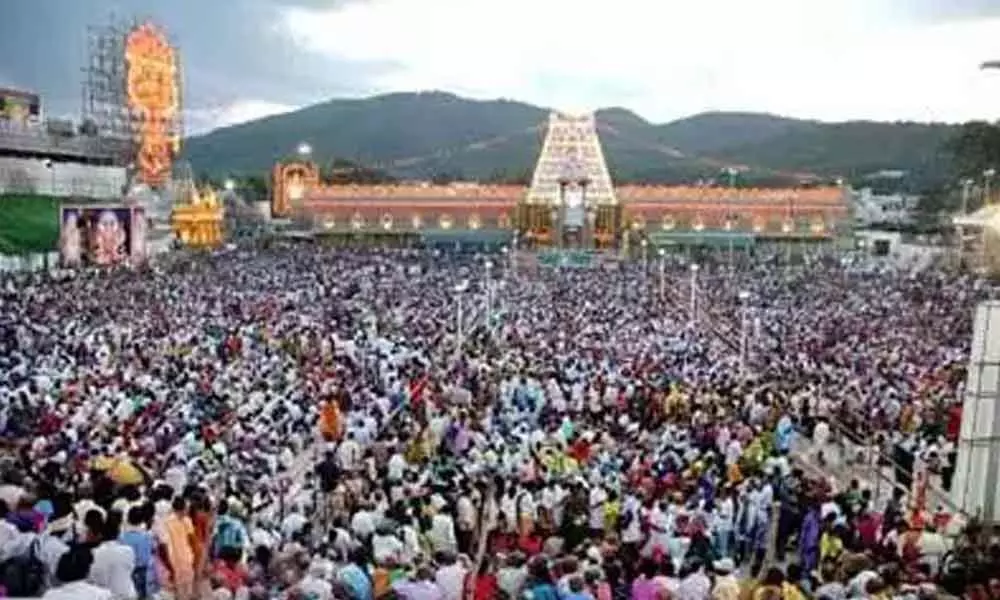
(312, 423)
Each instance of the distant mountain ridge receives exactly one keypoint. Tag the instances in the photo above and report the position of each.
(436, 134)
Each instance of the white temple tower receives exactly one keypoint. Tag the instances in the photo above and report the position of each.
(571, 179)
(571, 151)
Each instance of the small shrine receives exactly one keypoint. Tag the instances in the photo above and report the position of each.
(197, 218)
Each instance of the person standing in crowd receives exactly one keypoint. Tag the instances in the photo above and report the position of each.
(178, 536)
(589, 434)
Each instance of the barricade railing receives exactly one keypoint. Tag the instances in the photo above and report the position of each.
(726, 332)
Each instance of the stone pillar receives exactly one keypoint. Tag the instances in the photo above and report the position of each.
(591, 228)
(560, 214)
(977, 469)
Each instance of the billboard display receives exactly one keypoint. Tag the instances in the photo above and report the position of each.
(20, 107)
(102, 235)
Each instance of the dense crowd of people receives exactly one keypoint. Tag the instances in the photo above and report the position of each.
(303, 422)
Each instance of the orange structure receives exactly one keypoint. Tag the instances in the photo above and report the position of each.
(289, 184)
(802, 212)
(152, 89)
(656, 212)
(414, 207)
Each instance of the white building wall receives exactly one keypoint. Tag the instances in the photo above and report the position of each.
(24, 175)
(977, 470)
(871, 208)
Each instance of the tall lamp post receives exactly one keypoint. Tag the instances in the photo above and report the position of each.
(645, 255)
(731, 172)
(460, 342)
(694, 293)
(967, 184)
(663, 274)
(559, 213)
(988, 176)
(989, 173)
(513, 254)
(744, 330)
(489, 294)
(304, 152)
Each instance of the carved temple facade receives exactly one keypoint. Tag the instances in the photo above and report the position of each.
(197, 220)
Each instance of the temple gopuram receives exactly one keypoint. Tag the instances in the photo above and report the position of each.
(571, 203)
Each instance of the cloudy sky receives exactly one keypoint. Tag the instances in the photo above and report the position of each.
(826, 59)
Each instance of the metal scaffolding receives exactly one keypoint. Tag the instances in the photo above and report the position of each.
(105, 94)
(105, 104)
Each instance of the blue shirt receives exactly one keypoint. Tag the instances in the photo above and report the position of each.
(357, 582)
(144, 547)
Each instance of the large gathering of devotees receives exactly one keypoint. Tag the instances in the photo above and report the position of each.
(304, 422)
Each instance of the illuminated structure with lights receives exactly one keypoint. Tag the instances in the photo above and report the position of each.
(198, 215)
(132, 97)
(571, 203)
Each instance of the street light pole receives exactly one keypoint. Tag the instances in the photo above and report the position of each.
(694, 293)
(732, 172)
(663, 274)
(513, 256)
(988, 175)
(645, 261)
(489, 296)
(460, 342)
(744, 331)
(967, 184)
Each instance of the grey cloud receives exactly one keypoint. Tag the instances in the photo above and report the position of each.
(948, 10)
(319, 4)
(229, 50)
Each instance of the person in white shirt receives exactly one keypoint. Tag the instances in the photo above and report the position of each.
(442, 533)
(695, 586)
(114, 562)
(315, 584)
(363, 523)
(396, 467)
(349, 453)
(450, 577)
(466, 520)
(72, 570)
(598, 496)
(386, 547)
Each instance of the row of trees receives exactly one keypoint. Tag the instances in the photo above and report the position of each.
(972, 152)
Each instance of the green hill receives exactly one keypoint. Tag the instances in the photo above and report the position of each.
(424, 135)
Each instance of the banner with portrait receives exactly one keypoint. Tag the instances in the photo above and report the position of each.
(95, 235)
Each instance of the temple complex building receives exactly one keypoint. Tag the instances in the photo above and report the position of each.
(571, 203)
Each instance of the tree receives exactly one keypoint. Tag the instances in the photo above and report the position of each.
(255, 187)
(975, 148)
(934, 203)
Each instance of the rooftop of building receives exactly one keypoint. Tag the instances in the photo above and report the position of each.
(633, 192)
(56, 140)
